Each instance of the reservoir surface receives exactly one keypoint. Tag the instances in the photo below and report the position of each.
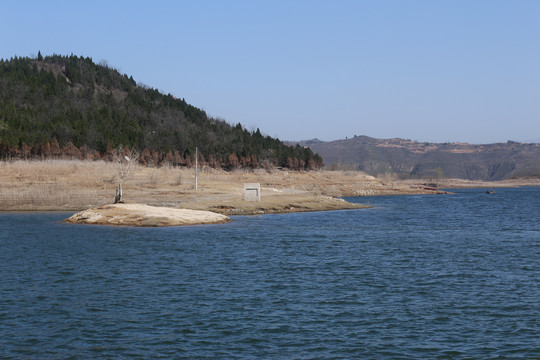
(435, 276)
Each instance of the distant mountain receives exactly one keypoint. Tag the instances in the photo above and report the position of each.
(58, 106)
(411, 159)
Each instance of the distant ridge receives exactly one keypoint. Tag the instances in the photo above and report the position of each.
(412, 159)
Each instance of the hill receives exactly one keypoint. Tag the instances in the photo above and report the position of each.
(411, 159)
(58, 106)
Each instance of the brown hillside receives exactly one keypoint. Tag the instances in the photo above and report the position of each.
(412, 159)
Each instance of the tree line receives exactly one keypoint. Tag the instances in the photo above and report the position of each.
(68, 106)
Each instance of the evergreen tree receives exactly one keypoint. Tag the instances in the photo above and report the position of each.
(76, 108)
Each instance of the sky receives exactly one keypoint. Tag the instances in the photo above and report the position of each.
(424, 70)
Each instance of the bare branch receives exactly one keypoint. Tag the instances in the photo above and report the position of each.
(126, 160)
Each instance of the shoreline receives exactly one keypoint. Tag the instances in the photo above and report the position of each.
(74, 185)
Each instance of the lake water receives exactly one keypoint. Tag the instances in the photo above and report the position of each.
(418, 277)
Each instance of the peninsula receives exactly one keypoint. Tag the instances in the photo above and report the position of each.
(76, 185)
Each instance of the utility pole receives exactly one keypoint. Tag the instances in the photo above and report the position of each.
(196, 167)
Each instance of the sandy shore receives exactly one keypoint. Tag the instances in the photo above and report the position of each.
(78, 185)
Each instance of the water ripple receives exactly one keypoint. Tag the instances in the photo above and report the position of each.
(448, 277)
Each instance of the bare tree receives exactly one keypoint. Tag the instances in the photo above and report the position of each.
(126, 160)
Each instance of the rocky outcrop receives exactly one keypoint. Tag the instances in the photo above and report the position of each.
(145, 215)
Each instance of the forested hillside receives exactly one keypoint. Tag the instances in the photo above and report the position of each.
(58, 106)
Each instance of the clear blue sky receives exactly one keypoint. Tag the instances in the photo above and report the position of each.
(424, 70)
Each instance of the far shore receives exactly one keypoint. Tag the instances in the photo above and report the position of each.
(461, 183)
(73, 185)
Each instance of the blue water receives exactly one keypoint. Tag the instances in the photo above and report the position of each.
(414, 277)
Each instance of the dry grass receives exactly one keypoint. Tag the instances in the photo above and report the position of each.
(77, 185)
(53, 184)
(74, 184)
